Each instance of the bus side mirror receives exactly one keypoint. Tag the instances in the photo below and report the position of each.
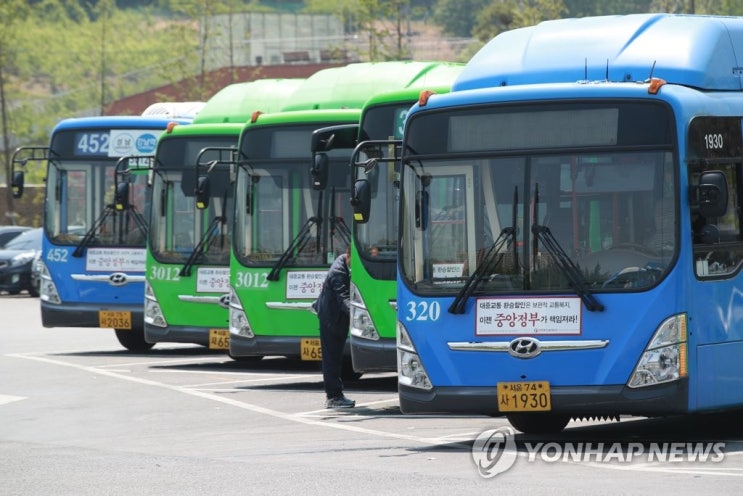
(121, 196)
(202, 192)
(361, 201)
(17, 184)
(712, 194)
(319, 171)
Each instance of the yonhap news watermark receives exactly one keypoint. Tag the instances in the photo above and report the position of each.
(495, 451)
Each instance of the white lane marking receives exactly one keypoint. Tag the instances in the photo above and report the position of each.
(289, 417)
(6, 398)
(166, 361)
(303, 419)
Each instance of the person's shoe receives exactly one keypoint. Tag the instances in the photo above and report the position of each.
(339, 402)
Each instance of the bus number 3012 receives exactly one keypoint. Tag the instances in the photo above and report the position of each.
(423, 310)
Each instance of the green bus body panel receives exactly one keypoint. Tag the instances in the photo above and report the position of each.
(338, 116)
(181, 313)
(237, 102)
(167, 290)
(202, 130)
(352, 85)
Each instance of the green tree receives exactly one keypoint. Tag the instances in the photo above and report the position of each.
(503, 15)
(12, 12)
(458, 17)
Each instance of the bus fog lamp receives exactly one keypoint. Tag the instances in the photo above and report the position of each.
(239, 325)
(664, 359)
(47, 289)
(410, 370)
(153, 314)
(362, 325)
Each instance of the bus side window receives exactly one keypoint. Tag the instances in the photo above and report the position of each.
(718, 244)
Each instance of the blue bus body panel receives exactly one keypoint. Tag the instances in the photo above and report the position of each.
(84, 292)
(714, 307)
(694, 51)
(82, 297)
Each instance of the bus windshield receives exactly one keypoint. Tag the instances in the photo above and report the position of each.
(538, 219)
(377, 240)
(280, 217)
(81, 201)
(178, 227)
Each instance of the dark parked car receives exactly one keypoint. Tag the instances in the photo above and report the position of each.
(16, 260)
(9, 232)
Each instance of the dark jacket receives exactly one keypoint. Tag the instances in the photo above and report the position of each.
(333, 304)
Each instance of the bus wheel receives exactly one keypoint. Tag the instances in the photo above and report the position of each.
(133, 340)
(538, 423)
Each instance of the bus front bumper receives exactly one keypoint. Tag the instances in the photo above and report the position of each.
(85, 314)
(374, 356)
(176, 334)
(664, 399)
(287, 346)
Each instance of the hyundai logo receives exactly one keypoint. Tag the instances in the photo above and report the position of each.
(224, 300)
(524, 348)
(117, 279)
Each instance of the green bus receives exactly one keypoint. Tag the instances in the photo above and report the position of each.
(374, 244)
(188, 249)
(292, 215)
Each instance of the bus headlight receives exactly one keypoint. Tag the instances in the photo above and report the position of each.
(47, 289)
(239, 325)
(153, 314)
(410, 370)
(362, 325)
(665, 357)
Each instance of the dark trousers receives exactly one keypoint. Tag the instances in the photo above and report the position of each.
(333, 340)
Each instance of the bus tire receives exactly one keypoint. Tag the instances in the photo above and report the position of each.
(538, 423)
(133, 340)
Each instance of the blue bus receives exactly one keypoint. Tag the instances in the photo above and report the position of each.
(93, 253)
(570, 235)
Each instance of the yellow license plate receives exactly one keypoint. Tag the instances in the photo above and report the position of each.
(310, 349)
(219, 339)
(524, 396)
(115, 319)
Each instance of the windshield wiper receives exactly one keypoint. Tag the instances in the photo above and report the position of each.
(90, 233)
(566, 265)
(490, 261)
(205, 240)
(299, 241)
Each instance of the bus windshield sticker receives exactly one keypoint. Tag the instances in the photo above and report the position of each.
(302, 284)
(103, 259)
(522, 316)
(213, 280)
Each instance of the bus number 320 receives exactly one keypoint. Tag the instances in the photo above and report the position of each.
(423, 310)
